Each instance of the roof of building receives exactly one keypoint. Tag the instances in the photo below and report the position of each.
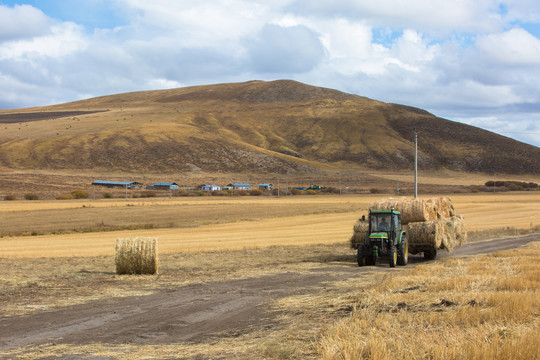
(265, 184)
(107, 182)
(239, 184)
(165, 184)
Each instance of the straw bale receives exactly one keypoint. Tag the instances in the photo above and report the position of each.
(417, 210)
(360, 230)
(441, 234)
(137, 255)
(426, 232)
(412, 210)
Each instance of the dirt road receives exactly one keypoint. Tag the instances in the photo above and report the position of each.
(193, 312)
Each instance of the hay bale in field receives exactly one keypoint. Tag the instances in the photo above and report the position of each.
(137, 255)
(360, 230)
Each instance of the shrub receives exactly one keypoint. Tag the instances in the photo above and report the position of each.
(107, 195)
(242, 192)
(148, 194)
(64, 197)
(10, 197)
(31, 196)
(219, 193)
(310, 192)
(79, 194)
(296, 192)
(374, 191)
(256, 192)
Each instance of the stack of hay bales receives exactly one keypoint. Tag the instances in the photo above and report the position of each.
(429, 223)
(136, 255)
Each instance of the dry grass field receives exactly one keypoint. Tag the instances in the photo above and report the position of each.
(202, 224)
(466, 304)
(484, 307)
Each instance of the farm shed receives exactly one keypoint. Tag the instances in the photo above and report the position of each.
(210, 187)
(266, 187)
(165, 186)
(240, 186)
(120, 184)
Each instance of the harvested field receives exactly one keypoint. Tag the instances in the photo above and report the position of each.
(265, 221)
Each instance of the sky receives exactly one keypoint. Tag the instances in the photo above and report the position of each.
(473, 61)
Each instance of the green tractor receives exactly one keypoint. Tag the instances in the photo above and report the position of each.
(385, 237)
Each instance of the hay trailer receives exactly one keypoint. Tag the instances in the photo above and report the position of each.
(384, 238)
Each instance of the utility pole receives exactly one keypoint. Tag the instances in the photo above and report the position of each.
(278, 187)
(415, 164)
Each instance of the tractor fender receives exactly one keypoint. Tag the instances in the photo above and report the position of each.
(400, 236)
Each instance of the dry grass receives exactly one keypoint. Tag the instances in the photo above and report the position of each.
(484, 307)
(136, 256)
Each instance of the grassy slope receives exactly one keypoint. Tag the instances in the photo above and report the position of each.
(277, 127)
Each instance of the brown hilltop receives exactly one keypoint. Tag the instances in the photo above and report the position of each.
(278, 127)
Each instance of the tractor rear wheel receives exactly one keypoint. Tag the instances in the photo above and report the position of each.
(361, 255)
(430, 255)
(403, 251)
(393, 256)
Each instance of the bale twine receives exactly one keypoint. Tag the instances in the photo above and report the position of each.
(360, 230)
(137, 255)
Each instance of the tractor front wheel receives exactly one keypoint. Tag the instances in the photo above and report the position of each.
(403, 251)
(393, 256)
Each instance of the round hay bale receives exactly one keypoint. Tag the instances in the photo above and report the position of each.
(360, 230)
(412, 210)
(137, 255)
(426, 233)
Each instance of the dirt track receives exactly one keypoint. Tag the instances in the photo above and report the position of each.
(194, 312)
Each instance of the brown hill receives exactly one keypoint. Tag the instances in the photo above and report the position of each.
(277, 127)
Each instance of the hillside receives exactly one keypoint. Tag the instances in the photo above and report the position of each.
(268, 127)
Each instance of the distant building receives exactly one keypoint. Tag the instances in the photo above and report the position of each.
(120, 184)
(163, 186)
(210, 187)
(240, 186)
(266, 187)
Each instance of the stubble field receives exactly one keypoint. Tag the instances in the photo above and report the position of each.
(77, 228)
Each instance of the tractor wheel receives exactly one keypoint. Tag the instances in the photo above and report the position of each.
(361, 255)
(393, 256)
(430, 255)
(403, 252)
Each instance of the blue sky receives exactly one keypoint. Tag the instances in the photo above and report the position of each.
(474, 61)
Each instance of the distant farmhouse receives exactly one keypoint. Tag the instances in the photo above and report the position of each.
(120, 184)
(210, 187)
(163, 186)
(266, 187)
(240, 186)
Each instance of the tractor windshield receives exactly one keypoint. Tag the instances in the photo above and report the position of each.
(380, 222)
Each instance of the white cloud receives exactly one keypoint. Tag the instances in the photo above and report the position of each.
(22, 22)
(513, 47)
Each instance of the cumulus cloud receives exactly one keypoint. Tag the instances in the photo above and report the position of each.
(22, 22)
